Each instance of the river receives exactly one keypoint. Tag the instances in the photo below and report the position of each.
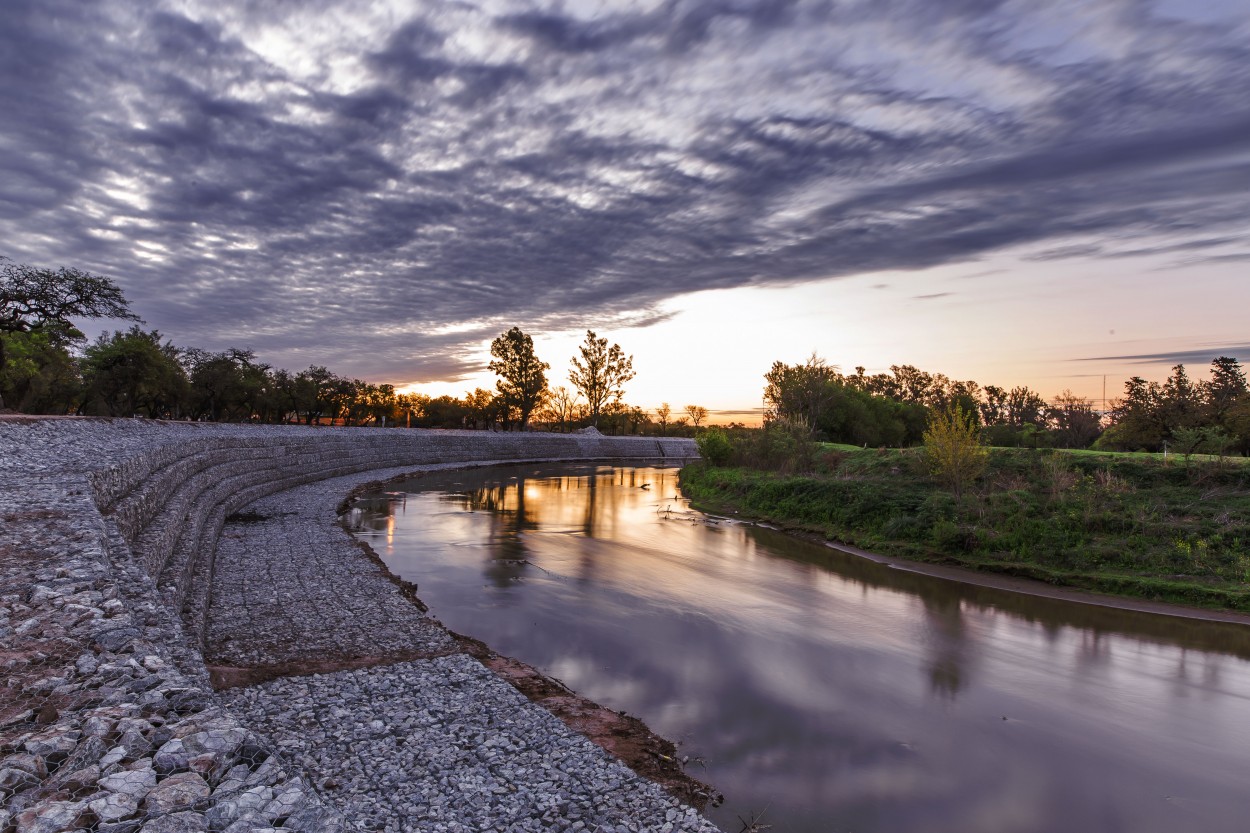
(824, 692)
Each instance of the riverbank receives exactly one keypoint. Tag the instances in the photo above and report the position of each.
(1130, 528)
(110, 586)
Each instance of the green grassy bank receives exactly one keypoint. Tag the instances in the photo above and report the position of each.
(1118, 524)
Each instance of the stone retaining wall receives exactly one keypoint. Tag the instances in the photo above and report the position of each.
(107, 536)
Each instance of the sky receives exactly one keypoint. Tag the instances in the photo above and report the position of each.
(1012, 192)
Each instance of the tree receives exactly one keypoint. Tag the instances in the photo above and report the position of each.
(1227, 385)
(444, 412)
(523, 383)
(483, 407)
(1137, 420)
(34, 300)
(1075, 421)
(662, 415)
(39, 374)
(559, 409)
(411, 406)
(1182, 404)
(1025, 407)
(1237, 421)
(130, 372)
(953, 448)
(1208, 440)
(226, 385)
(914, 385)
(697, 414)
(315, 392)
(801, 392)
(601, 373)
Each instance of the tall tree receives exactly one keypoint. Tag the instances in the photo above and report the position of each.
(601, 373)
(523, 381)
(1182, 404)
(1137, 419)
(800, 392)
(45, 300)
(698, 413)
(662, 416)
(1227, 385)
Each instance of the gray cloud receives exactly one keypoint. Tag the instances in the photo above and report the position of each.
(328, 183)
(1202, 356)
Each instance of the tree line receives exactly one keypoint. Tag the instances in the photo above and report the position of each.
(894, 409)
(48, 367)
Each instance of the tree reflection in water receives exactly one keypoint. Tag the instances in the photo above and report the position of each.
(840, 692)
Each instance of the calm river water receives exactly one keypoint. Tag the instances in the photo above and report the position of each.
(824, 692)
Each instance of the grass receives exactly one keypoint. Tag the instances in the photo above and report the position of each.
(1170, 457)
(1125, 524)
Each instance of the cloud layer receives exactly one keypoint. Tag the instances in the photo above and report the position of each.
(345, 184)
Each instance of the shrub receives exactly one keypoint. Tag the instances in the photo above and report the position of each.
(716, 447)
(953, 448)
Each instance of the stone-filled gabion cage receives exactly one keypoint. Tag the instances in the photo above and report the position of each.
(108, 722)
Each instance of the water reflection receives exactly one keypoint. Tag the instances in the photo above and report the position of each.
(840, 693)
(948, 644)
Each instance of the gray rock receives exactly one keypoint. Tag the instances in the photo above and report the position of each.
(186, 822)
(50, 817)
(171, 757)
(135, 744)
(33, 764)
(129, 826)
(114, 806)
(245, 805)
(177, 792)
(115, 639)
(114, 756)
(216, 742)
(405, 745)
(55, 744)
(15, 780)
(132, 782)
(78, 780)
(287, 802)
(314, 819)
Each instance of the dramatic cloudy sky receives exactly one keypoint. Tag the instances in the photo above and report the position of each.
(1038, 192)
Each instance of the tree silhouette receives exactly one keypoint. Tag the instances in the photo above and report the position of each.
(44, 300)
(523, 381)
(601, 373)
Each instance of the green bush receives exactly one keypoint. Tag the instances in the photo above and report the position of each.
(716, 447)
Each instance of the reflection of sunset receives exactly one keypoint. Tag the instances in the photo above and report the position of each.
(825, 681)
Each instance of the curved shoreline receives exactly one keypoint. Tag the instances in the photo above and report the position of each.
(109, 552)
(625, 737)
(994, 581)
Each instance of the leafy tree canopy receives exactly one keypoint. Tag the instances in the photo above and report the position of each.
(523, 379)
(601, 373)
(33, 298)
